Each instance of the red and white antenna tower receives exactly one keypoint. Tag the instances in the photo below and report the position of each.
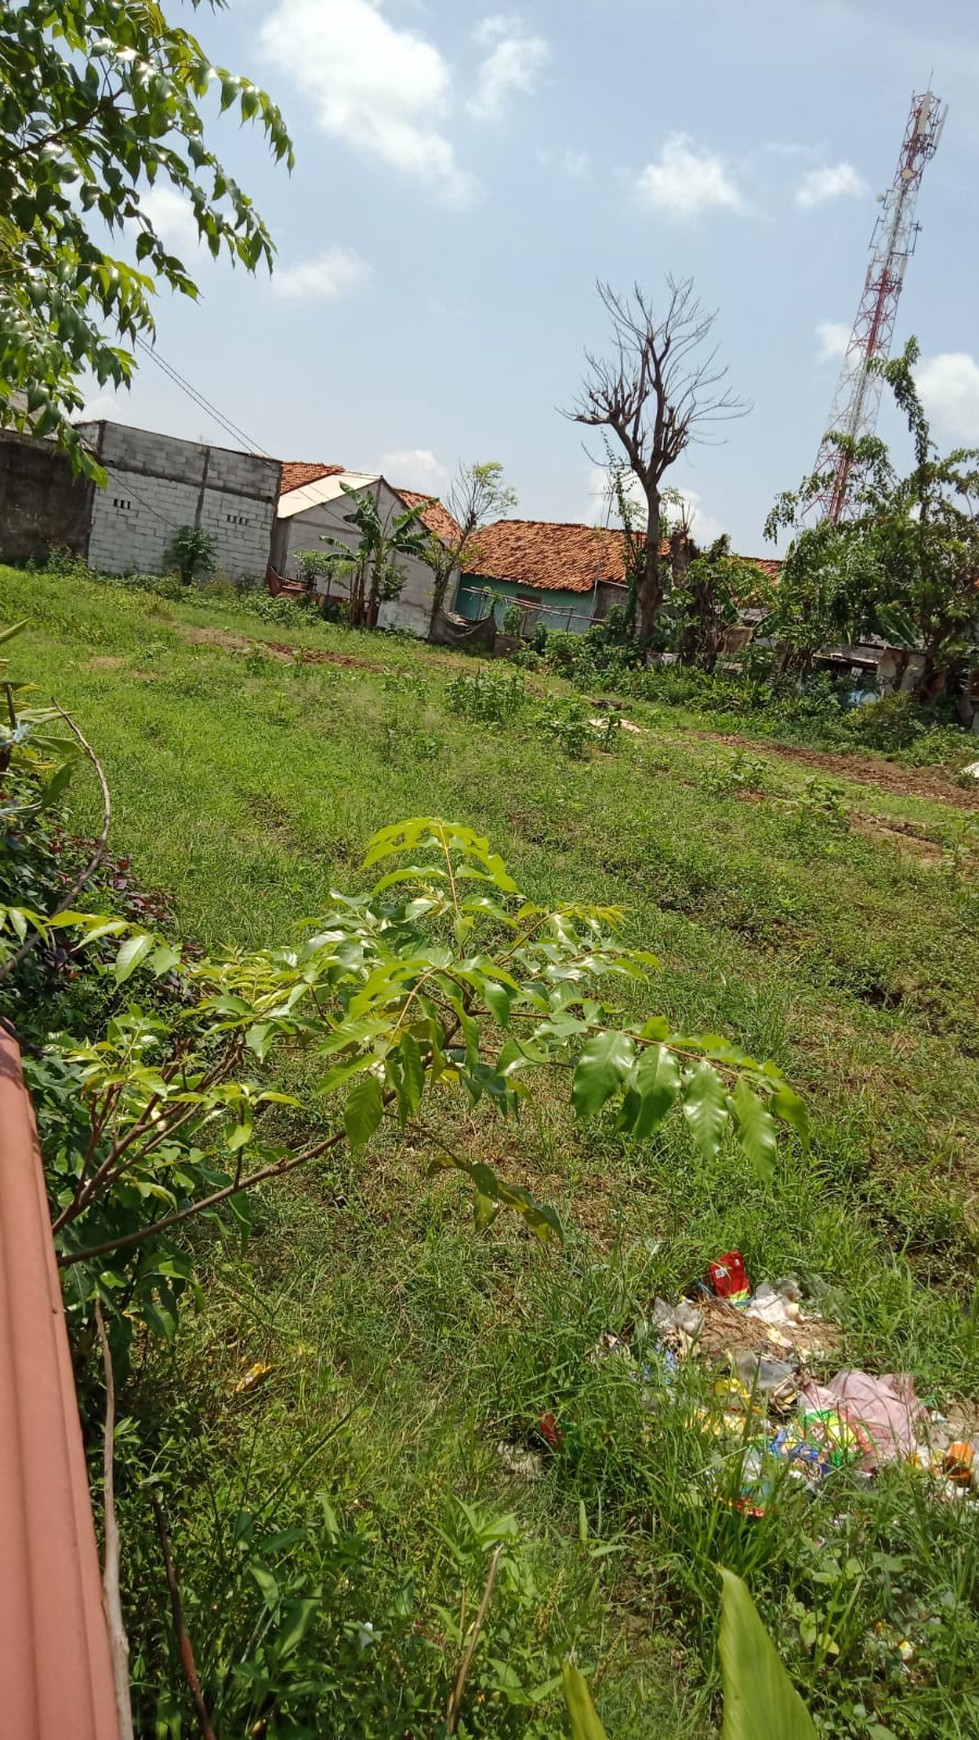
(895, 237)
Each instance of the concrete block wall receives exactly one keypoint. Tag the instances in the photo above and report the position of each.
(42, 504)
(157, 483)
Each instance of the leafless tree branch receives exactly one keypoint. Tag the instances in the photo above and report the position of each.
(184, 1645)
(657, 395)
(118, 1641)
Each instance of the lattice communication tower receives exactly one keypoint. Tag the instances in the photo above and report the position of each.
(858, 393)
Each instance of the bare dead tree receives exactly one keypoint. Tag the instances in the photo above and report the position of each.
(657, 391)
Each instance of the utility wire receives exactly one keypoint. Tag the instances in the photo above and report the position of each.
(204, 404)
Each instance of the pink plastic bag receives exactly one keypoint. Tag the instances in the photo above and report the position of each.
(885, 1407)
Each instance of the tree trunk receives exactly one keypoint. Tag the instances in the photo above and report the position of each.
(650, 588)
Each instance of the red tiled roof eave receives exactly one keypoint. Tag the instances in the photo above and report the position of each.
(436, 515)
(297, 472)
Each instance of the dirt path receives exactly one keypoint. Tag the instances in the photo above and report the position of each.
(921, 782)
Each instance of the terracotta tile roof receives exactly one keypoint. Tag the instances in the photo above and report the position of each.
(295, 472)
(552, 557)
(770, 566)
(436, 517)
(549, 556)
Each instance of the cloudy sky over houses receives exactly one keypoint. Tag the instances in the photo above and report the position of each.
(463, 177)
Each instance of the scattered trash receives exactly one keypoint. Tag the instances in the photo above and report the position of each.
(623, 724)
(775, 1378)
(550, 1431)
(774, 1306)
(972, 771)
(729, 1278)
(881, 1411)
(522, 1464)
(254, 1375)
(769, 1350)
(682, 1318)
(958, 1462)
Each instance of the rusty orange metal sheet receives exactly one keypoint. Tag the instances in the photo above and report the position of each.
(55, 1672)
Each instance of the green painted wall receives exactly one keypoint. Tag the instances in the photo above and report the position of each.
(569, 611)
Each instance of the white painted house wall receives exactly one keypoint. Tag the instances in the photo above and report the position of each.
(157, 484)
(303, 527)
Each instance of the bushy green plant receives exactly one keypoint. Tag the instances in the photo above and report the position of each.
(192, 554)
(162, 585)
(892, 722)
(487, 695)
(566, 721)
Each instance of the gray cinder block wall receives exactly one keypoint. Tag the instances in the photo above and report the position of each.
(157, 483)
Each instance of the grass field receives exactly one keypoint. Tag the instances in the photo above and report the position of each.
(827, 921)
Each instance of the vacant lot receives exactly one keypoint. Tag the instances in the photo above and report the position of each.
(826, 921)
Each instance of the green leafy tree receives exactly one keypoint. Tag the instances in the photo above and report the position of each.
(476, 495)
(709, 590)
(374, 570)
(192, 553)
(100, 102)
(902, 564)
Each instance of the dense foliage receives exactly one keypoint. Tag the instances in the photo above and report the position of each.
(100, 102)
(903, 561)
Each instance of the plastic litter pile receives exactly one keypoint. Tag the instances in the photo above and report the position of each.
(770, 1353)
(782, 1413)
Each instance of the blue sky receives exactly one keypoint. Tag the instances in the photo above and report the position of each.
(464, 175)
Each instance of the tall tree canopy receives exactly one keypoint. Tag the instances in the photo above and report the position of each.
(99, 101)
(903, 564)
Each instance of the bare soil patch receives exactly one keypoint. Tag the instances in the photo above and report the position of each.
(105, 662)
(932, 783)
(304, 655)
(215, 637)
(907, 840)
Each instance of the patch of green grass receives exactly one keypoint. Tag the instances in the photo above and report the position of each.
(402, 1350)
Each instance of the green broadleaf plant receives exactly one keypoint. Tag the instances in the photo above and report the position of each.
(443, 979)
(760, 1701)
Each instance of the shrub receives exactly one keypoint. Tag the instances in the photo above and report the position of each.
(487, 695)
(892, 722)
(193, 554)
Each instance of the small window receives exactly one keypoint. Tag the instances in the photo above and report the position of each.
(237, 520)
(120, 502)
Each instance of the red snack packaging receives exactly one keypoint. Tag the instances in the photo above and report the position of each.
(729, 1278)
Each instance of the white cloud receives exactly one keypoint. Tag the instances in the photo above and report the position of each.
(336, 273)
(383, 90)
(949, 388)
(105, 407)
(603, 508)
(687, 180)
(833, 181)
(576, 165)
(511, 67)
(704, 528)
(415, 468)
(834, 338)
(172, 216)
